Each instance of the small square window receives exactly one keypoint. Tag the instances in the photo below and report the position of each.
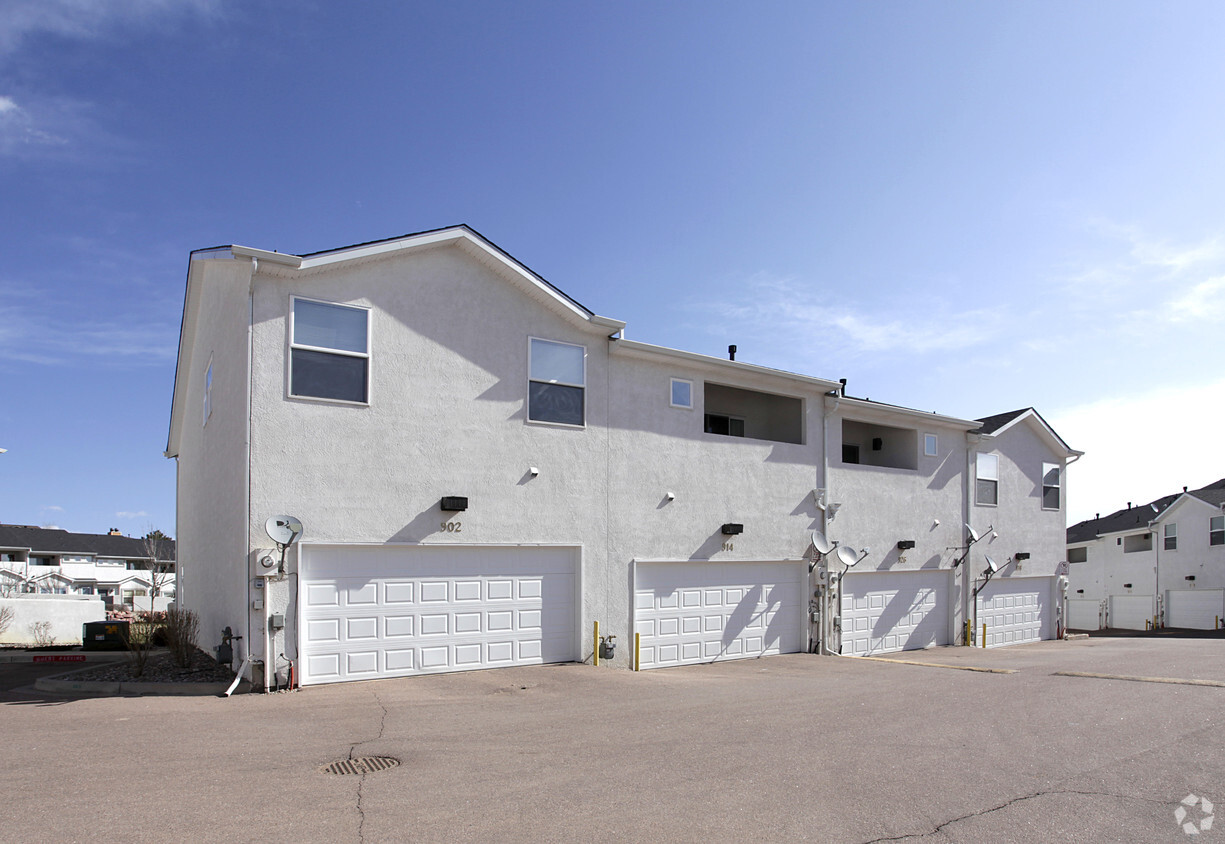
(931, 445)
(682, 393)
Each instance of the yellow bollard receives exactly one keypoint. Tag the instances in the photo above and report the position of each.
(595, 650)
(984, 634)
(637, 651)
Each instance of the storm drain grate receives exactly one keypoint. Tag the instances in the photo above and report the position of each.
(362, 765)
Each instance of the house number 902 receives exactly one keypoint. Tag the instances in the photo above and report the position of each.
(452, 527)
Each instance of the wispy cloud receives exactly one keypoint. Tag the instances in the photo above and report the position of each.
(29, 335)
(54, 507)
(89, 19)
(128, 514)
(788, 311)
(1205, 300)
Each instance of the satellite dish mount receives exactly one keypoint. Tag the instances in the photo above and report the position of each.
(284, 531)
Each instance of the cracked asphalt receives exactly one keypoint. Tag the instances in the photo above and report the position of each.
(791, 748)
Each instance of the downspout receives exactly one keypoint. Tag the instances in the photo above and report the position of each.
(969, 603)
(247, 561)
(1158, 539)
(825, 604)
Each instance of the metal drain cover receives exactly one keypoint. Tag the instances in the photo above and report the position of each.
(362, 765)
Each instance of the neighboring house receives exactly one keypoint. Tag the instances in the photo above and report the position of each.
(485, 469)
(1159, 564)
(113, 566)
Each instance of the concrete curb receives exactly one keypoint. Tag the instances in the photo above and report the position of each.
(65, 683)
(67, 658)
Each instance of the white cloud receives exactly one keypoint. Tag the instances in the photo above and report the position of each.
(788, 312)
(28, 335)
(24, 131)
(1205, 300)
(127, 514)
(88, 19)
(57, 508)
(1141, 446)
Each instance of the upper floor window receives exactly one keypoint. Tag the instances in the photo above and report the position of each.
(1078, 555)
(987, 479)
(1137, 542)
(557, 382)
(870, 444)
(931, 445)
(329, 351)
(728, 426)
(737, 412)
(1216, 530)
(208, 391)
(1050, 486)
(682, 393)
(1171, 537)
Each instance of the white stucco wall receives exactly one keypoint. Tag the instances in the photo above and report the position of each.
(65, 614)
(212, 528)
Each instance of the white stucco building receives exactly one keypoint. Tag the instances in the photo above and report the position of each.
(485, 469)
(1157, 564)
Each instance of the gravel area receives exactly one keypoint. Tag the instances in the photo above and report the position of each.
(161, 668)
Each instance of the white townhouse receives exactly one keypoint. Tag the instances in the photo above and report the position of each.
(484, 470)
(1152, 565)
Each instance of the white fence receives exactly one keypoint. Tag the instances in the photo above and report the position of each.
(62, 616)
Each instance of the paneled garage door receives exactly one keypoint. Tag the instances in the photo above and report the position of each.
(1130, 612)
(894, 611)
(1195, 609)
(391, 611)
(1084, 614)
(706, 612)
(1016, 610)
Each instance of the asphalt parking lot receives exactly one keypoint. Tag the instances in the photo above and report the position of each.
(791, 748)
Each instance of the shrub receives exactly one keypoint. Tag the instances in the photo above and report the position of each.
(41, 631)
(182, 627)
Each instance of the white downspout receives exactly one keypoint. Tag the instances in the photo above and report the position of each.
(826, 603)
(247, 491)
(969, 602)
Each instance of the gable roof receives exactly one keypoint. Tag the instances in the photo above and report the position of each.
(41, 541)
(1001, 422)
(1139, 516)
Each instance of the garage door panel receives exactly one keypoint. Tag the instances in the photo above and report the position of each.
(884, 612)
(1016, 610)
(498, 606)
(1194, 609)
(1130, 612)
(704, 612)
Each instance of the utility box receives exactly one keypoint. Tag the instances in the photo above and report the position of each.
(104, 635)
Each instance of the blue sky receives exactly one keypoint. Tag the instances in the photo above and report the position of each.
(961, 207)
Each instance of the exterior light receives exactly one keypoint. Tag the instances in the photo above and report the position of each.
(454, 503)
(732, 529)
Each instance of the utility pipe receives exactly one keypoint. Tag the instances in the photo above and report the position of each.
(595, 645)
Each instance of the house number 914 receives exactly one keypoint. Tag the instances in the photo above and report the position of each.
(452, 527)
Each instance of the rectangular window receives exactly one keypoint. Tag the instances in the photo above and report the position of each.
(329, 351)
(728, 426)
(682, 393)
(987, 479)
(1050, 486)
(557, 382)
(1171, 537)
(850, 453)
(931, 445)
(1078, 555)
(1137, 542)
(208, 391)
(1216, 530)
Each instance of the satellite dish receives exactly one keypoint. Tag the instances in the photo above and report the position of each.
(283, 530)
(821, 543)
(992, 565)
(847, 556)
(973, 533)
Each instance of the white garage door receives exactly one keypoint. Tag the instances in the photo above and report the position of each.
(705, 612)
(894, 611)
(1016, 610)
(1084, 614)
(1194, 609)
(391, 611)
(1130, 612)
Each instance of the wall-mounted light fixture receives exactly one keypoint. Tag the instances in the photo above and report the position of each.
(1126, 585)
(533, 471)
(671, 496)
(1080, 591)
(454, 503)
(1021, 555)
(905, 544)
(1189, 577)
(732, 529)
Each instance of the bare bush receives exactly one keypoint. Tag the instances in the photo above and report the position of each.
(140, 644)
(41, 633)
(182, 628)
(7, 614)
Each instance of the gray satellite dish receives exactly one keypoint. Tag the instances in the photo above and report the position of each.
(992, 565)
(847, 556)
(821, 543)
(283, 530)
(973, 533)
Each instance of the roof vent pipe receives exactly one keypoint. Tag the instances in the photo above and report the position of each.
(1128, 505)
(842, 381)
(1184, 489)
(731, 352)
